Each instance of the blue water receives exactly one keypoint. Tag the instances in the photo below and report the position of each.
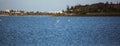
(59, 31)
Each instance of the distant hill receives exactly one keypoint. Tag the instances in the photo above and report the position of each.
(94, 9)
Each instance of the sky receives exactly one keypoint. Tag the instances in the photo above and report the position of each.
(45, 5)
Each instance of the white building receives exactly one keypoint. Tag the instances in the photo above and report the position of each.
(55, 11)
(8, 10)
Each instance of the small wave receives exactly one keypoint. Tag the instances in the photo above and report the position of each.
(0, 19)
(69, 20)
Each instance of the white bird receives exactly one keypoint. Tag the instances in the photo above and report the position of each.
(58, 21)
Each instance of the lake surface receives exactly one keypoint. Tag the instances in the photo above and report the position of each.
(59, 31)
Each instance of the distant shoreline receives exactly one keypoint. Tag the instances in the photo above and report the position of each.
(69, 15)
(96, 9)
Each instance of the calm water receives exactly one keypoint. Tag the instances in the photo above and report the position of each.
(59, 31)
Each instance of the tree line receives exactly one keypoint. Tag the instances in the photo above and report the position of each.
(100, 7)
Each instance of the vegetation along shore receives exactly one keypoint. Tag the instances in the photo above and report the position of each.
(96, 9)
